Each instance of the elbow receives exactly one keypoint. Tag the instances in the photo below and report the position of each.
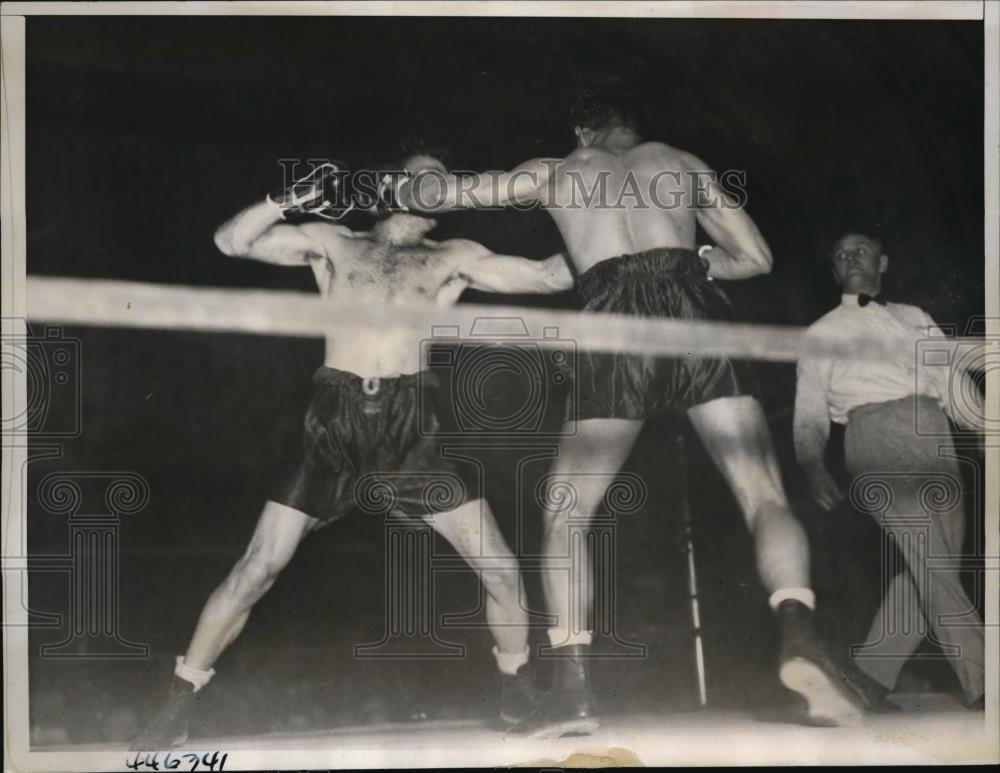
(561, 284)
(755, 255)
(763, 261)
(224, 242)
(554, 281)
(555, 274)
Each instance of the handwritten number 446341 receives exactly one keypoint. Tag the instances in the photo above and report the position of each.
(208, 761)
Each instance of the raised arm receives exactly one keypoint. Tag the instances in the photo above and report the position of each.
(432, 191)
(259, 233)
(740, 250)
(484, 270)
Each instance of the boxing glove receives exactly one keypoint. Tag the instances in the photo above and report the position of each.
(388, 198)
(323, 192)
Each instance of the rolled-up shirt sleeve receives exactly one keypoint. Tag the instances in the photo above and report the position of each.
(957, 392)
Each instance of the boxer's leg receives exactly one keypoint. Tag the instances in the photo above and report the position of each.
(588, 460)
(587, 463)
(736, 435)
(473, 531)
(279, 531)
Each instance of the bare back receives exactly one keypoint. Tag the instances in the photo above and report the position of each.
(607, 204)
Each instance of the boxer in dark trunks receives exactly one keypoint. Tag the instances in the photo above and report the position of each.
(368, 434)
(662, 282)
(627, 210)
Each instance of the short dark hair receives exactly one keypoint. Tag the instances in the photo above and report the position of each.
(867, 233)
(419, 146)
(606, 105)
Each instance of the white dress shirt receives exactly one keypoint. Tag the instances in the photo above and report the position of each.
(828, 389)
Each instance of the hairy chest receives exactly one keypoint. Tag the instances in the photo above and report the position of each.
(415, 272)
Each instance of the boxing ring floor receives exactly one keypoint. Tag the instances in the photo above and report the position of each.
(931, 730)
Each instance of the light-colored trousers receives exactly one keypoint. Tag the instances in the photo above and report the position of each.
(901, 459)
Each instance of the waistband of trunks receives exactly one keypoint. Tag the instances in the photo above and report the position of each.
(345, 378)
(640, 267)
(907, 403)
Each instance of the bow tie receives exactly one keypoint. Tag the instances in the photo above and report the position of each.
(864, 299)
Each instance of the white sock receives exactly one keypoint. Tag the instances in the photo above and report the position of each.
(198, 678)
(561, 637)
(510, 662)
(804, 595)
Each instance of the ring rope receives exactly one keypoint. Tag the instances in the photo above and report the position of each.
(112, 303)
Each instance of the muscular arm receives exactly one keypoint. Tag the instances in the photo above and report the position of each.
(492, 273)
(259, 233)
(740, 250)
(432, 191)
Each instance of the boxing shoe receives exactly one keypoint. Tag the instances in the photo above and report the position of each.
(518, 696)
(569, 707)
(807, 669)
(170, 726)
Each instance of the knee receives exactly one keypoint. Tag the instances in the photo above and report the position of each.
(556, 523)
(498, 582)
(552, 519)
(562, 501)
(253, 575)
(768, 510)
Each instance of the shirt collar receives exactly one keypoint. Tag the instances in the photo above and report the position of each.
(851, 302)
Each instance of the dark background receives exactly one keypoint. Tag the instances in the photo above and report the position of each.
(144, 134)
